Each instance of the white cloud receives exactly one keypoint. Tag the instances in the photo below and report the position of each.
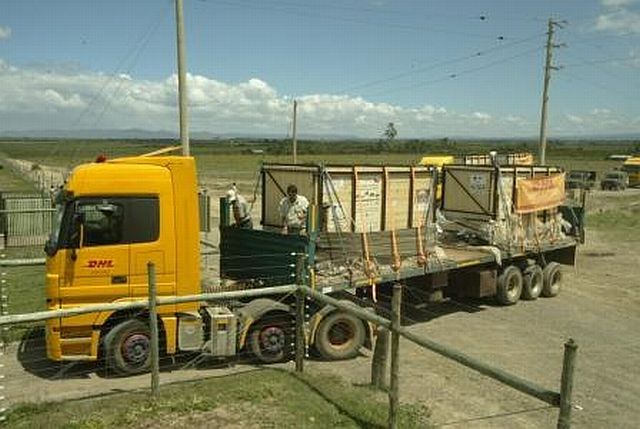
(483, 117)
(619, 21)
(54, 99)
(617, 3)
(634, 57)
(574, 119)
(514, 119)
(5, 32)
(63, 99)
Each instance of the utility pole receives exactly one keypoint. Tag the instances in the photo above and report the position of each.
(295, 142)
(545, 92)
(182, 81)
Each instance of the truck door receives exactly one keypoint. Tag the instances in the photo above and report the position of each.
(152, 239)
(96, 267)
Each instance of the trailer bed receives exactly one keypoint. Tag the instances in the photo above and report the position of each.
(447, 258)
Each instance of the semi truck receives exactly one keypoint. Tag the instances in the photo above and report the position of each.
(368, 227)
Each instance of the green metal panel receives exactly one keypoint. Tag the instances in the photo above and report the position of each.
(263, 257)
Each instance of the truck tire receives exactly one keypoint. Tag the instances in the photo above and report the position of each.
(552, 275)
(128, 347)
(270, 339)
(339, 336)
(509, 286)
(532, 282)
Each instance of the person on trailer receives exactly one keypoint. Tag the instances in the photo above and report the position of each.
(293, 211)
(240, 208)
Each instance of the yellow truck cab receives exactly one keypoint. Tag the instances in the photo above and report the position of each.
(113, 218)
(632, 167)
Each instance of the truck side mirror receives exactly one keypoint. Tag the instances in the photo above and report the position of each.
(49, 249)
(78, 237)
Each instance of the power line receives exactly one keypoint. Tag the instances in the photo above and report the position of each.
(132, 53)
(425, 29)
(438, 64)
(456, 75)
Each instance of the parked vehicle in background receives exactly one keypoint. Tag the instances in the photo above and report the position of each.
(618, 157)
(632, 167)
(615, 180)
(581, 179)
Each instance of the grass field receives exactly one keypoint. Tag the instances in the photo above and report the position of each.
(12, 183)
(266, 398)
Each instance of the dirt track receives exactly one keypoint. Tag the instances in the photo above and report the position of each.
(599, 308)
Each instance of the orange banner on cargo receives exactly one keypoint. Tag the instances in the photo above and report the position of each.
(539, 193)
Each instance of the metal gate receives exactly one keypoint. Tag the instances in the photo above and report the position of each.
(25, 219)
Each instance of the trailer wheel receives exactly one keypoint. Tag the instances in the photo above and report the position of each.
(532, 282)
(552, 275)
(270, 340)
(128, 347)
(509, 286)
(340, 336)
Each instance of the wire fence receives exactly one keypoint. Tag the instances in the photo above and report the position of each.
(25, 219)
(232, 335)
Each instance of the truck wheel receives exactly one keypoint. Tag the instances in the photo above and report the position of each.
(552, 275)
(340, 336)
(128, 347)
(509, 286)
(532, 282)
(270, 340)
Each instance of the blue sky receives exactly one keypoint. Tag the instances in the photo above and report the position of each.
(434, 68)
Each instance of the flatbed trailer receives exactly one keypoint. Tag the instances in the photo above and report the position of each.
(459, 269)
(396, 242)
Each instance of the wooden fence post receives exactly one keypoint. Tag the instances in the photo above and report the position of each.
(153, 325)
(380, 358)
(566, 384)
(396, 304)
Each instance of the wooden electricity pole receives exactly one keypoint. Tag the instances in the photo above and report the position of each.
(182, 81)
(545, 91)
(295, 142)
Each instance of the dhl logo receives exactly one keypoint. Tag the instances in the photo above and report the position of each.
(100, 263)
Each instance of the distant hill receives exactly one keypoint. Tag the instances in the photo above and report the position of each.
(135, 133)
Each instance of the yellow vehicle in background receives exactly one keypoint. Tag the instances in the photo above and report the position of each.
(632, 167)
(503, 159)
(438, 161)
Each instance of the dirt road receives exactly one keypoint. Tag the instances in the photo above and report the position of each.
(599, 307)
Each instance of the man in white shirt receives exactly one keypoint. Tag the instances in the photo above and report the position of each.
(293, 211)
(240, 208)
